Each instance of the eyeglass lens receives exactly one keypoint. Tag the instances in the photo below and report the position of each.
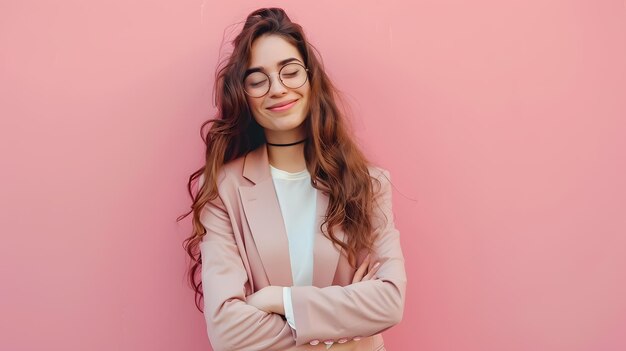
(292, 75)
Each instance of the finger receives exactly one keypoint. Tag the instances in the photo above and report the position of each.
(373, 271)
(363, 267)
(370, 275)
(358, 275)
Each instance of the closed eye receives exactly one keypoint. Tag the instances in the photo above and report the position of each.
(256, 84)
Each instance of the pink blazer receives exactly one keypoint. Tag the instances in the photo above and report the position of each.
(245, 249)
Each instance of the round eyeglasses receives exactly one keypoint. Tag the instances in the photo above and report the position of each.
(292, 75)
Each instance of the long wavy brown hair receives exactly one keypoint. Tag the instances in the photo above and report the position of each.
(337, 166)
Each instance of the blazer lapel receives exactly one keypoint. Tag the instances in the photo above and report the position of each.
(262, 211)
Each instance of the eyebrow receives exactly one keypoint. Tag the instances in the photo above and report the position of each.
(281, 63)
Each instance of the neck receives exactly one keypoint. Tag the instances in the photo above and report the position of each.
(287, 158)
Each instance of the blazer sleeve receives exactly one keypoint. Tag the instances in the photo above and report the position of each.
(231, 323)
(365, 308)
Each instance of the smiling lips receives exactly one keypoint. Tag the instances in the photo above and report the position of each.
(283, 107)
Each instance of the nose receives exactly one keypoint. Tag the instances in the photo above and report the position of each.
(276, 86)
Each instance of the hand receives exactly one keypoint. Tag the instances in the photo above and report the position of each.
(269, 299)
(358, 275)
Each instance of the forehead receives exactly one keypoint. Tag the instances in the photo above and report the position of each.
(268, 50)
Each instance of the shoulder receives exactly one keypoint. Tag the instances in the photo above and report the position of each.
(378, 172)
(229, 175)
(232, 171)
(381, 175)
(381, 181)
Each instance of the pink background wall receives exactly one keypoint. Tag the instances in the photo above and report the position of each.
(502, 123)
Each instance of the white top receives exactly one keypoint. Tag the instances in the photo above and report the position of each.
(298, 201)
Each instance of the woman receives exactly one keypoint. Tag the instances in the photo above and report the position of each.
(292, 228)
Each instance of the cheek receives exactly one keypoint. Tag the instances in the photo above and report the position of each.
(307, 90)
(254, 106)
(307, 97)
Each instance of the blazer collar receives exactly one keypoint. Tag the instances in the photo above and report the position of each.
(262, 212)
(256, 165)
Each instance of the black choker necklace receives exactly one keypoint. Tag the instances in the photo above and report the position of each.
(297, 142)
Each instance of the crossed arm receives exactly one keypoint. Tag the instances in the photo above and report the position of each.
(276, 299)
(235, 323)
(271, 298)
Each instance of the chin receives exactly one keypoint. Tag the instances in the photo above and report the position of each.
(285, 123)
(286, 127)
